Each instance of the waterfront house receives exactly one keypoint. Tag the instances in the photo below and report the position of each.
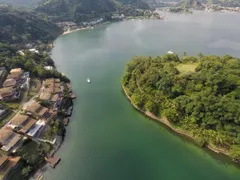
(21, 123)
(8, 94)
(20, 52)
(48, 97)
(51, 81)
(37, 129)
(8, 164)
(9, 140)
(52, 86)
(10, 83)
(37, 111)
(53, 90)
(48, 68)
(34, 51)
(15, 74)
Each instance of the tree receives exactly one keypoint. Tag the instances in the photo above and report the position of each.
(184, 54)
(152, 107)
(137, 99)
(200, 55)
(26, 171)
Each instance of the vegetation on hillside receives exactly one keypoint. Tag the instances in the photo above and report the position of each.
(86, 10)
(224, 3)
(186, 4)
(21, 3)
(32, 62)
(21, 27)
(200, 95)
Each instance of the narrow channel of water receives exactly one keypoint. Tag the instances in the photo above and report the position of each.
(106, 138)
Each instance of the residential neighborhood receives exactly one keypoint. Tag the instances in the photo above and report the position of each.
(37, 120)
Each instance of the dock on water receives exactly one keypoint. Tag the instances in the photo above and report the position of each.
(73, 96)
(53, 161)
(66, 121)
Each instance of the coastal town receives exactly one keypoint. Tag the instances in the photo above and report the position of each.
(193, 96)
(69, 26)
(33, 113)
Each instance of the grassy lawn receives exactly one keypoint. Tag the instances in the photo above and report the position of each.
(35, 85)
(185, 68)
(14, 105)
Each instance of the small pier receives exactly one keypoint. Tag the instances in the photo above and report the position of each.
(69, 111)
(73, 96)
(53, 161)
(66, 121)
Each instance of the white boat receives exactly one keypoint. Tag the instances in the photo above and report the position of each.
(88, 80)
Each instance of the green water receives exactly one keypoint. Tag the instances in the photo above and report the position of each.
(107, 139)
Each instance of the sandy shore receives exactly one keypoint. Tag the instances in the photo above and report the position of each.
(78, 29)
(178, 130)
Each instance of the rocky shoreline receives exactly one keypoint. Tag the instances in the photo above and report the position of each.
(175, 129)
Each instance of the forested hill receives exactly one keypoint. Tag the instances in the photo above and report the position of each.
(224, 3)
(227, 3)
(195, 4)
(200, 95)
(21, 3)
(23, 27)
(83, 10)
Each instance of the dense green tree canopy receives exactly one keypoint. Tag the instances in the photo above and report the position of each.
(86, 10)
(34, 63)
(22, 27)
(198, 94)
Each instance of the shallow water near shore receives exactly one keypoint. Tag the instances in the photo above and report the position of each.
(107, 139)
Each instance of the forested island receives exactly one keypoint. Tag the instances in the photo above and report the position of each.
(198, 96)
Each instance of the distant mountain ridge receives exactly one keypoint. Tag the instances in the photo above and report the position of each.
(227, 3)
(195, 4)
(82, 10)
(21, 3)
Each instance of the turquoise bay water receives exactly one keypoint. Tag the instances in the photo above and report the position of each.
(107, 139)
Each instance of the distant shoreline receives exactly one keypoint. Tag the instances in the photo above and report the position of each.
(108, 22)
(175, 129)
(74, 30)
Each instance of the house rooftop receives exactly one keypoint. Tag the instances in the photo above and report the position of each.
(12, 142)
(9, 82)
(16, 70)
(54, 90)
(37, 109)
(28, 125)
(15, 73)
(3, 159)
(49, 97)
(4, 134)
(18, 119)
(54, 97)
(6, 91)
(45, 96)
(10, 163)
(14, 76)
(51, 81)
(8, 138)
